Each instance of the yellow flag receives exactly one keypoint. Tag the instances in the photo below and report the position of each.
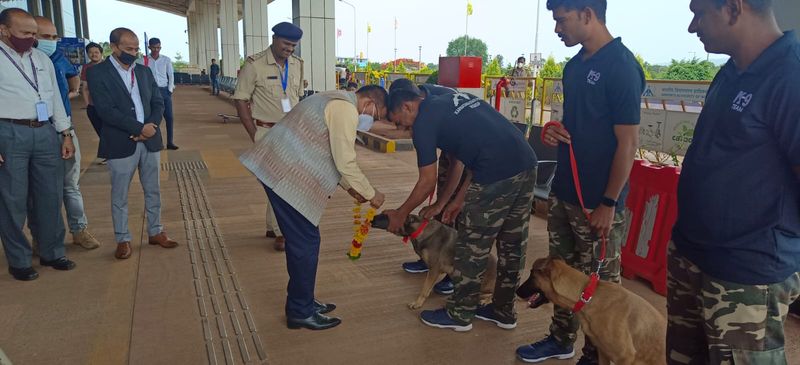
(369, 28)
(469, 7)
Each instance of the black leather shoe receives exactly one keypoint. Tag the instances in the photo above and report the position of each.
(315, 322)
(172, 147)
(323, 308)
(62, 264)
(24, 274)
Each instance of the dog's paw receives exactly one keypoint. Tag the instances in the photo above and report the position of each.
(414, 305)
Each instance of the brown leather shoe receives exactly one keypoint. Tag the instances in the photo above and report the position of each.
(280, 244)
(162, 240)
(123, 250)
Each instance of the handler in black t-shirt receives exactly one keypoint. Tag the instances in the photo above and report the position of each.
(496, 197)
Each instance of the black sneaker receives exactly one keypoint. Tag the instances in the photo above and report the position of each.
(794, 309)
(487, 313)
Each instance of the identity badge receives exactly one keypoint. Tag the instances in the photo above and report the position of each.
(42, 114)
(287, 105)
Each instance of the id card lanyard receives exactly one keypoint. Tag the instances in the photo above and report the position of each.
(285, 103)
(42, 114)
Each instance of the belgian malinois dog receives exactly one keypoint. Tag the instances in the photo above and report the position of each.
(625, 328)
(436, 246)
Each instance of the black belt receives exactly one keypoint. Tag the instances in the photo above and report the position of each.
(26, 122)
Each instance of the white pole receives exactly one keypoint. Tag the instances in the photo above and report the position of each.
(466, 35)
(536, 42)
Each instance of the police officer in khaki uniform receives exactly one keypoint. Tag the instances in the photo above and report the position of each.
(269, 85)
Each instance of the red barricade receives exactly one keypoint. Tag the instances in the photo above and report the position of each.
(651, 210)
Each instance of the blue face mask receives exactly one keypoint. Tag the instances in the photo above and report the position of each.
(47, 46)
(365, 121)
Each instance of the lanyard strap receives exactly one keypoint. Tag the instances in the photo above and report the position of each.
(133, 82)
(35, 83)
(285, 76)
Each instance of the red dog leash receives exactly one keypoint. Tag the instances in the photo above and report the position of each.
(422, 226)
(594, 277)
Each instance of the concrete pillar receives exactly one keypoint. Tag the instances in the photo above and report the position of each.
(211, 24)
(229, 27)
(256, 27)
(191, 31)
(317, 48)
(788, 14)
(200, 32)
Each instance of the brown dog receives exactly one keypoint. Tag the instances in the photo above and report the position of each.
(436, 246)
(625, 328)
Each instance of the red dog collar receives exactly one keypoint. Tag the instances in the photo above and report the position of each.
(588, 293)
(418, 232)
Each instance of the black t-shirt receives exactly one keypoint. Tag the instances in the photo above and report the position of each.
(738, 197)
(600, 92)
(480, 137)
(436, 90)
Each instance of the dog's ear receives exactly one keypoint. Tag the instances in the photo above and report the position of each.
(541, 266)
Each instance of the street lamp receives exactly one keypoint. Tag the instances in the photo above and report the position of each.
(355, 50)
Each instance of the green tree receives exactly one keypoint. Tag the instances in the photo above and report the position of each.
(106, 49)
(179, 63)
(643, 65)
(494, 68)
(551, 68)
(401, 67)
(475, 47)
(690, 70)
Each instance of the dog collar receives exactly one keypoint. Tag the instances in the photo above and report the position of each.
(588, 293)
(418, 232)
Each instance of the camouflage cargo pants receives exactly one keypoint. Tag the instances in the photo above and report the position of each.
(572, 239)
(711, 321)
(498, 211)
(441, 182)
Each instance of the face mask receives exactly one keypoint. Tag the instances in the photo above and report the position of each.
(21, 45)
(47, 46)
(365, 121)
(126, 58)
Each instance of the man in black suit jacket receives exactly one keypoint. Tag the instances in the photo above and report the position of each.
(129, 102)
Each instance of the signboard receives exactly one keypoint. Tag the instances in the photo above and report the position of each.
(679, 131)
(536, 60)
(73, 49)
(675, 91)
(513, 109)
(395, 76)
(651, 129)
(667, 131)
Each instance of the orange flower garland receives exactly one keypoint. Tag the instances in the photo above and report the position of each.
(360, 231)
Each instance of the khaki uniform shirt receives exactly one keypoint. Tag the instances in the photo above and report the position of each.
(260, 83)
(341, 117)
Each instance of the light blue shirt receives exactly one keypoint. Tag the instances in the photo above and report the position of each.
(132, 86)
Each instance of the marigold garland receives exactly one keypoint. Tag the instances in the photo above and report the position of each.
(360, 231)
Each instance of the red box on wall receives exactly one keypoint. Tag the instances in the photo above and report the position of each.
(460, 72)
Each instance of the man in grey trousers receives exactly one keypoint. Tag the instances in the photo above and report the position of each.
(34, 138)
(129, 102)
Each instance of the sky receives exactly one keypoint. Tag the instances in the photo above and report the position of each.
(655, 29)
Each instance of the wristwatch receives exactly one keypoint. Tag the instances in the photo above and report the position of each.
(608, 202)
(66, 133)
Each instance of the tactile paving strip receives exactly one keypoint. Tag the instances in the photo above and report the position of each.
(229, 330)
